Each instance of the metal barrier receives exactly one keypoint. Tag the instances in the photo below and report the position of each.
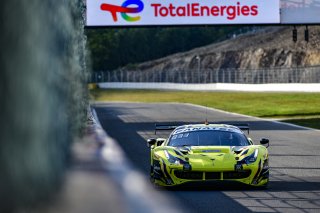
(203, 76)
(135, 190)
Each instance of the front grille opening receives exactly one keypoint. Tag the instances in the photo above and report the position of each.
(236, 174)
(213, 175)
(189, 175)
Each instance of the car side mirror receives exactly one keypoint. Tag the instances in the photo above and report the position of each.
(151, 142)
(264, 141)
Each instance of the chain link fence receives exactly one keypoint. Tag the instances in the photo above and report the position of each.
(241, 76)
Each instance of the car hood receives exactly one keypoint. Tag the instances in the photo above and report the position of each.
(211, 157)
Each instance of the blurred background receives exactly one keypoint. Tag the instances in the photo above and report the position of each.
(43, 96)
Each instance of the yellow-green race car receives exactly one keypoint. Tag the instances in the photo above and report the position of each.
(208, 153)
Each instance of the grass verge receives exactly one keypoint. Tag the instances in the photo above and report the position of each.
(308, 122)
(305, 106)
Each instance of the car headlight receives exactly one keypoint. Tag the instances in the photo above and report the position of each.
(251, 158)
(173, 159)
(156, 156)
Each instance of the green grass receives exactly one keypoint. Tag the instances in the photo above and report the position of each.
(308, 122)
(271, 105)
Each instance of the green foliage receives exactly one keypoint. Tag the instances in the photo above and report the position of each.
(114, 48)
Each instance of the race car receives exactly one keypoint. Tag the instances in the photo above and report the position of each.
(208, 153)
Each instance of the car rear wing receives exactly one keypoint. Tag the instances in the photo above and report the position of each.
(242, 126)
(164, 127)
(167, 127)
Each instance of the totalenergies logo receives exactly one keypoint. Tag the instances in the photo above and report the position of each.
(124, 9)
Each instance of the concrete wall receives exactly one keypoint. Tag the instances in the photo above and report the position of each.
(216, 87)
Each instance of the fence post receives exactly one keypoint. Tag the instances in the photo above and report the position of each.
(223, 73)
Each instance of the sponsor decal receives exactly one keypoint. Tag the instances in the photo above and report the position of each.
(181, 12)
(196, 129)
(197, 9)
(124, 9)
(238, 167)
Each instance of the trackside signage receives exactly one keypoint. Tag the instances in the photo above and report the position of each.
(181, 12)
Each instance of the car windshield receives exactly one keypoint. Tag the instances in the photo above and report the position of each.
(208, 138)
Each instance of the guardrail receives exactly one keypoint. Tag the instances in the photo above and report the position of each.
(137, 193)
(204, 76)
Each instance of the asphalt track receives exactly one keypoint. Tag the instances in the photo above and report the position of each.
(294, 157)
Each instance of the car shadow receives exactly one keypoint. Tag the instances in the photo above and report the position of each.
(274, 186)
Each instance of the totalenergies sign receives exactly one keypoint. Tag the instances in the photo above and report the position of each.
(181, 12)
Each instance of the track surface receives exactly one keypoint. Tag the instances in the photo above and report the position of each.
(294, 157)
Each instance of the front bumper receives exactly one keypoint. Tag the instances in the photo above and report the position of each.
(167, 175)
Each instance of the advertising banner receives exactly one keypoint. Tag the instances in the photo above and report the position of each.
(181, 12)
